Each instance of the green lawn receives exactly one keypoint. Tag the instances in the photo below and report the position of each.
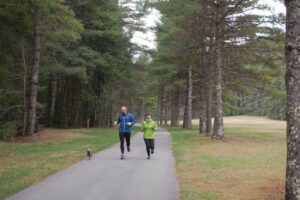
(249, 164)
(23, 163)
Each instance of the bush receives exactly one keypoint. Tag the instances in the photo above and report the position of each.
(7, 132)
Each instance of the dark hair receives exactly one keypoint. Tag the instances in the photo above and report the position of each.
(148, 114)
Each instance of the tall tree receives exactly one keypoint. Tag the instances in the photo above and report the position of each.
(220, 9)
(35, 72)
(293, 99)
(188, 112)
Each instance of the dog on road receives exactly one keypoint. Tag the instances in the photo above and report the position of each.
(89, 153)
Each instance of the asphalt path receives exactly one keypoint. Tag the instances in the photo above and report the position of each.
(106, 177)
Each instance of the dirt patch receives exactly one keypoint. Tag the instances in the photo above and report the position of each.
(273, 189)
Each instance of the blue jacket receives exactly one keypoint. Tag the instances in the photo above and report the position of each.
(126, 122)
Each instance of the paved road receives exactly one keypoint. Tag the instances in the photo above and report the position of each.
(106, 177)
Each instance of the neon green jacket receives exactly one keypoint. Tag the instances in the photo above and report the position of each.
(149, 127)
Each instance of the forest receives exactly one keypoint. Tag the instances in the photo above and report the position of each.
(64, 63)
(72, 64)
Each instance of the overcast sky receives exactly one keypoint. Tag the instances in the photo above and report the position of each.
(148, 39)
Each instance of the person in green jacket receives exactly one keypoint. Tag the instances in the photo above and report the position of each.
(149, 127)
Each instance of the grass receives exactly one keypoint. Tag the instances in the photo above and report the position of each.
(249, 164)
(23, 163)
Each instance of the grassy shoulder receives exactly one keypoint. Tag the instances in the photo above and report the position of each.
(23, 163)
(249, 164)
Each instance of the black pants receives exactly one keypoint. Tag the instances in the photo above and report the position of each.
(149, 145)
(124, 136)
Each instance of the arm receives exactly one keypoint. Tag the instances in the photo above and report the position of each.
(118, 120)
(133, 120)
(143, 127)
(155, 127)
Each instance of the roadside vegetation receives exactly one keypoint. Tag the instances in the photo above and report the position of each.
(26, 162)
(248, 164)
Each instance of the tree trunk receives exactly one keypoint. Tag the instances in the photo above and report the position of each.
(166, 110)
(158, 105)
(293, 100)
(53, 80)
(143, 109)
(161, 106)
(188, 115)
(219, 56)
(203, 98)
(111, 120)
(35, 74)
(175, 108)
(208, 108)
(24, 89)
(209, 87)
(185, 111)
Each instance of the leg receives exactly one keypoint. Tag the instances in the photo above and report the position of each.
(147, 147)
(122, 136)
(152, 146)
(148, 151)
(127, 137)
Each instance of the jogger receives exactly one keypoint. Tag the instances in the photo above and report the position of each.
(149, 127)
(125, 121)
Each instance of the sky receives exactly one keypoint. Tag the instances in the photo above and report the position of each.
(148, 39)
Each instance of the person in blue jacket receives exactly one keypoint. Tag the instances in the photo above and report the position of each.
(125, 121)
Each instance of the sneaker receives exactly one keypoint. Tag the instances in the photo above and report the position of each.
(128, 149)
(122, 157)
(148, 157)
(152, 151)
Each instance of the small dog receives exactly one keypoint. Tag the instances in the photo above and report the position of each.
(89, 153)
